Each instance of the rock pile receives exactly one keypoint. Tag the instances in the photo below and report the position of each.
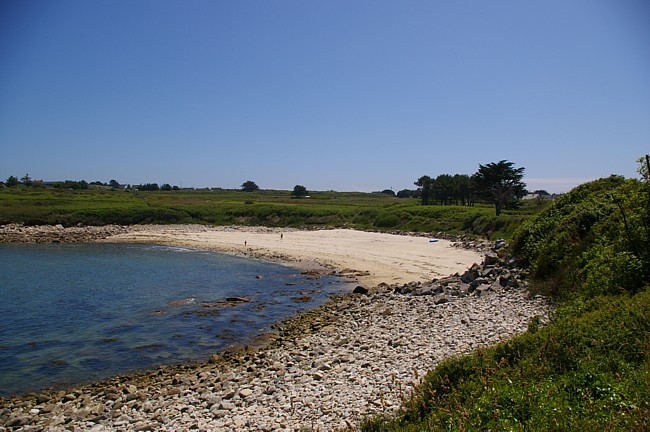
(357, 355)
(494, 274)
(16, 233)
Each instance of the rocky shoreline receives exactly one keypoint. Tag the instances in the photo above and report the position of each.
(17, 233)
(357, 355)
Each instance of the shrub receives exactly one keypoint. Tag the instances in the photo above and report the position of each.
(387, 220)
(588, 241)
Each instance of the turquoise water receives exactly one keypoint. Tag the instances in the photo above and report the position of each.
(73, 313)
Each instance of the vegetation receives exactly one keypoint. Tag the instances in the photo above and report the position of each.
(249, 186)
(12, 181)
(593, 241)
(589, 369)
(445, 190)
(69, 184)
(372, 211)
(497, 183)
(500, 183)
(299, 191)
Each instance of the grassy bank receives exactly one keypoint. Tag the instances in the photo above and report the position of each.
(374, 211)
(590, 368)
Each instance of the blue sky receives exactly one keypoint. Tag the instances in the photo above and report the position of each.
(341, 95)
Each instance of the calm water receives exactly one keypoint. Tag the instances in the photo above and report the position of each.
(72, 313)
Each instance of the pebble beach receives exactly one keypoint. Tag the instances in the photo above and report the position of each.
(358, 355)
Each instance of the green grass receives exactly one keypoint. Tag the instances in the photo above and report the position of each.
(370, 211)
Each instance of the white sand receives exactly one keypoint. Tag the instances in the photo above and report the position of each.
(376, 257)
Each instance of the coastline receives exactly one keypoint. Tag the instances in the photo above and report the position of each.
(371, 257)
(356, 355)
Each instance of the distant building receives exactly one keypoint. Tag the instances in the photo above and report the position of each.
(532, 196)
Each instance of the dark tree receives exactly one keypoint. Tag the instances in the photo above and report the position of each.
(166, 187)
(299, 191)
(71, 184)
(446, 189)
(443, 189)
(114, 184)
(407, 193)
(388, 192)
(148, 187)
(644, 167)
(27, 180)
(463, 189)
(11, 181)
(250, 186)
(425, 189)
(500, 183)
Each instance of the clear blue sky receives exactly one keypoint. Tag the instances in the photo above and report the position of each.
(342, 95)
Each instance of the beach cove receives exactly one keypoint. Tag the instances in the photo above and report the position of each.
(357, 355)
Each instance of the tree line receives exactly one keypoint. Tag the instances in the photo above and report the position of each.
(498, 183)
(27, 181)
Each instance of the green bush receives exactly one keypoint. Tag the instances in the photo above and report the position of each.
(387, 220)
(590, 240)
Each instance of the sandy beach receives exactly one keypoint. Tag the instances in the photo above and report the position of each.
(372, 257)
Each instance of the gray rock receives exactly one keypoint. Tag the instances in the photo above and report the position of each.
(18, 421)
(490, 259)
(228, 406)
(440, 299)
(468, 276)
(244, 393)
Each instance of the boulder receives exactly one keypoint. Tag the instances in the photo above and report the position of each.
(465, 289)
(440, 299)
(504, 278)
(360, 290)
(446, 281)
(478, 281)
(468, 276)
(490, 259)
(482, 290)
(487, 271)
(238, 299)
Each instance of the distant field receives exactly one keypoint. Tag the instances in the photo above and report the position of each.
(35, 206)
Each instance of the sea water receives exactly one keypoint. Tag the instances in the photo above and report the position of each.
(79, 312)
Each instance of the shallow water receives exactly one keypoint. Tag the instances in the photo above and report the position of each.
(73, 313)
